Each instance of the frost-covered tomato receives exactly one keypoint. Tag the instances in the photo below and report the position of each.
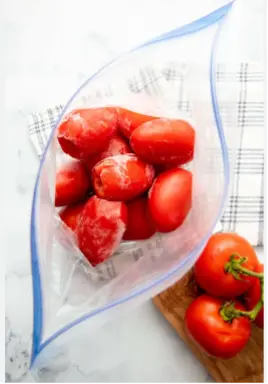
(84, 132)
(122, 177)
(117, 146)
(100, 229)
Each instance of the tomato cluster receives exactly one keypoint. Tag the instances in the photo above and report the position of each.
(123, 180)
(228, 269)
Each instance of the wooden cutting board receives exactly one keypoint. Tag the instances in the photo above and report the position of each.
(247, 367)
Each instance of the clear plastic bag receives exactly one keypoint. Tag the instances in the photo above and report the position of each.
(174, 75)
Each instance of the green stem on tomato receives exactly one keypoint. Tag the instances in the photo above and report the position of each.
(247, 272)
(234, 266)
(228, 310)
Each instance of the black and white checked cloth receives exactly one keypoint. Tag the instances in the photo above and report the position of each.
(244, 211)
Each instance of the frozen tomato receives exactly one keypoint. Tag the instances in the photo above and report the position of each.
(101, 228)
(129, 120)
(72, 183)
(170, 199)
(210, 268)
(116, 146)
(122, 177)
(219, 338)
(139, 226)
(164, 141)
(252, 296)
(84, 132)
(70, 215)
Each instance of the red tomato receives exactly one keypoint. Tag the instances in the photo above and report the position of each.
(129, 120)
(70, 215)
(139, 226)
(84, 132)
(164, 141)
(122, 177)
(209, 268)
(253, 295)
(214, 335)
(101, 228)
(170, 199)
(116, 146)
(72, 183)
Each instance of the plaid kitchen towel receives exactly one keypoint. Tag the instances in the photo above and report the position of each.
(244, 211)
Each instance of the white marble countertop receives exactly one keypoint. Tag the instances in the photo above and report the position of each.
(51, 46)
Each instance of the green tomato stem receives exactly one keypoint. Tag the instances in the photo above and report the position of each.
(234, 266)
(228, 310)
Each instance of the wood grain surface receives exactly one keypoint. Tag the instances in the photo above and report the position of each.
(247, 367)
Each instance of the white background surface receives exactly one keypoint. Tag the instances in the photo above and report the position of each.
(50, 47)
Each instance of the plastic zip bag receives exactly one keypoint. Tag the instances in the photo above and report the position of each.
(174, 75)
